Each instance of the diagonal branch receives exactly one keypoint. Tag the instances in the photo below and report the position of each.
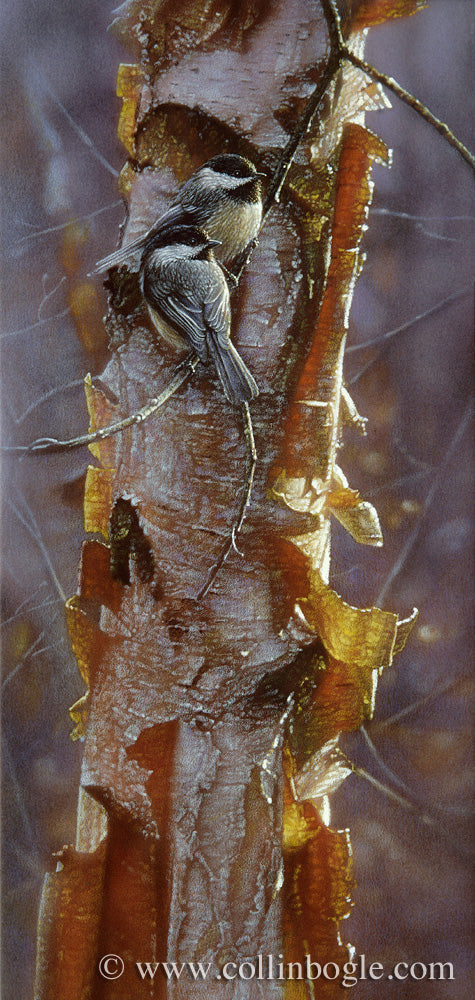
(383, 338)
(413, 102)
(438, 479)
(182, 373)
(339, 53)
(414, 809)
(311, 107)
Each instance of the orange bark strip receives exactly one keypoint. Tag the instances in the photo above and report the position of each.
(368, 13)
(101, 413)
(95, 580)
(318, 883)
(319, 381)
(129, 83)
(69, 919)
(153, 751)
(86, 314)
(353, 195)
(87, 641)
(98, 500)
(79, 714)
(364, 636)
(344, 698)
(134, 916)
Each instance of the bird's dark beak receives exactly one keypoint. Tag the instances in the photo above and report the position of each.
(213, 243)
(259, 173)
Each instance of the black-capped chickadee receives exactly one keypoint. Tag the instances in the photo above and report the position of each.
(188, 300)
(223, 197)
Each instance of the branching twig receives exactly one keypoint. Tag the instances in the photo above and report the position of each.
(77, 128)
(414, 808)
(410, 542)
(33, 530)
(384, 337)
(311, 107)
(409, 99)
(339, 53)
(344, 54)
(182, 373)
(251, 461)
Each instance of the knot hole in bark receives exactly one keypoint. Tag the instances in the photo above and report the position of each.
(126, 539)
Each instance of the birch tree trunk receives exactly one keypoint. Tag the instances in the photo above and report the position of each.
(210, 743)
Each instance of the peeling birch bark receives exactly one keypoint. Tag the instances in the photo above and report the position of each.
(201, 714)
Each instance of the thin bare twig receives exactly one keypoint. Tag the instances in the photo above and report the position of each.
(415, 809)
(58, 390)
(251, 461)
(390, 774)
(26, 656)
(311, 107)
(384, 337)
(33, 529)
(439, 692)
(444, 808)
(37, 233)
(413, 102)
(35, 607)
(18, 793)
(76, 128)
(393, 214)
(42, 445)
(339, 53)
(34, 326)
(432, 493)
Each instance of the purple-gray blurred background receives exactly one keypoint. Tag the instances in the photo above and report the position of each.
(60, 212)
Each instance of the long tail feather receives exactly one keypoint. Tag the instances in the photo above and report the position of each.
(122, 255)
(238, 384)
(174, 215)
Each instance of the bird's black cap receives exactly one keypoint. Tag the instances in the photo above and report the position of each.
(190, 236)
(234, 165)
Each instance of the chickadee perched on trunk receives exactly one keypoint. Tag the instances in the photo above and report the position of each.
(188, 300)
(223, 197)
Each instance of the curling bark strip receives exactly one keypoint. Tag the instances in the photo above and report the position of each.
(313, 413)
(197, 846)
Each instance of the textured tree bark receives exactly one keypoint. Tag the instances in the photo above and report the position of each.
(194, 843)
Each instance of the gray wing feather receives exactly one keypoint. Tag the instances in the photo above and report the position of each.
(191, 298)
(216, 309)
